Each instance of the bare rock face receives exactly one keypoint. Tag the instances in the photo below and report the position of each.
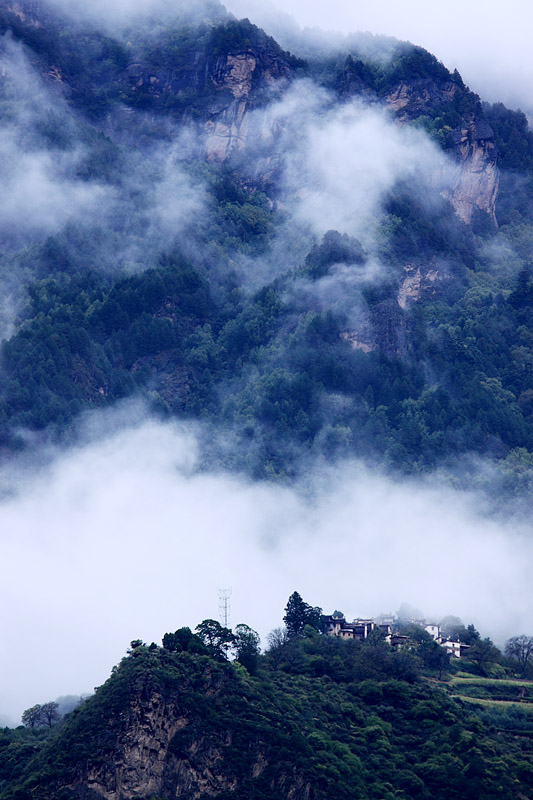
(218, 87)
(228, 130)
(160, 744)
(138, 765)
(409, 100)
(386, 327)
(475, 187)
(420, 280)
(236, 73)
(245, 79)
(142, 762)
(360, 339)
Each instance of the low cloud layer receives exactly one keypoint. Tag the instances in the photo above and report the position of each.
(123, 538)
(339, 162)
(121, 13)
(38, 196)
(337, 166)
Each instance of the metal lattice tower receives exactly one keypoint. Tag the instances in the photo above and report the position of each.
(224, 606)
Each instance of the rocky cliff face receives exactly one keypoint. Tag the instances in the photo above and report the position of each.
(162, 741)
(420, 281)
(145, 761)
(138, 762)
(471, 142)
(410, 99)
(476, 186)
(235, 68)
(246, 78)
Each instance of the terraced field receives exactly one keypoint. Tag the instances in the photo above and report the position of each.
(493, 692)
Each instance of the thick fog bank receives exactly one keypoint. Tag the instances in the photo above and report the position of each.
(124, 538)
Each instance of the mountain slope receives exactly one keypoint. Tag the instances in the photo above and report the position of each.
(180, 725)
(178, 159)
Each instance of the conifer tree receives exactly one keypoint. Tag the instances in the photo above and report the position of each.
(298, 614)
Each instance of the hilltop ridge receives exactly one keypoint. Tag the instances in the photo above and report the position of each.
(316, 717)
(223, 70)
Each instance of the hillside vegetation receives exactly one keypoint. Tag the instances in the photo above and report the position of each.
(317, 718)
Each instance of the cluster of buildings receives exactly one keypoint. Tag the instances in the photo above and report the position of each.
(360, 629)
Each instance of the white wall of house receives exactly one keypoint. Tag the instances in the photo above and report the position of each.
(433, 630)
(453, 648)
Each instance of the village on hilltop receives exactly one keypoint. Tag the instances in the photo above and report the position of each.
(359, 629)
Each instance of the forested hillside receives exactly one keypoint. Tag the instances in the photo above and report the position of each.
(173, 263)
(316, 717)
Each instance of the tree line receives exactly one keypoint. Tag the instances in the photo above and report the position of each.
(296, 646)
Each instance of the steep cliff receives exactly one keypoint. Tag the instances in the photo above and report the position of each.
(420, 281)
(258, 74)
(215, 78)
(469, 139)
(212, 70)
(171, 726)
(217, 70)
(418, 88)
(476, 186)
(156, 128)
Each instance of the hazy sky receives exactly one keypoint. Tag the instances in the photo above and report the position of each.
(489, 42)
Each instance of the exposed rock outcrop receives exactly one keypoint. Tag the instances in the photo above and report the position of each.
(247, 79)
(410, 99)
(385, 327)
(151, 736)
(476, 186)
(471, 143)
(360, 339)
(217, 86)
(227, 129)
(139, 761)
(236, 68)
(420, 280)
